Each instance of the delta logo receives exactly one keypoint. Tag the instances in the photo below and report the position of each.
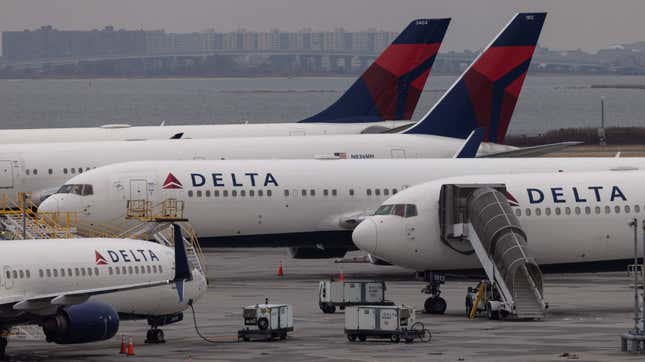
(172, 182)
(512, 201)
(100, 260)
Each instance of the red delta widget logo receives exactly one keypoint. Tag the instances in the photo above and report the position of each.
(172, 182)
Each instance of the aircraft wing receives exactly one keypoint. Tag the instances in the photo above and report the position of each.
(533, 151)
(36, 302)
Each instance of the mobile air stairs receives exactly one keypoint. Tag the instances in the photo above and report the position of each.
(478, 219)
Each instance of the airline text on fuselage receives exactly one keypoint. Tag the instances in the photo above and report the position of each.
(247, 179)
(576, 194)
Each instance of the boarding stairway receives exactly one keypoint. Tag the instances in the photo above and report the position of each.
(19, 220)
(482, 216)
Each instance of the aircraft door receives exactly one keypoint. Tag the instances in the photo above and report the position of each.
(6, 174)
(138, 190)
(6, 275)
(397, 153)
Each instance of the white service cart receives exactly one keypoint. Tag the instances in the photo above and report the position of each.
(343, 293)
(266, 321)
(378, 321)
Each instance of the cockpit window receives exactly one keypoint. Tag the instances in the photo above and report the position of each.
(76, 189)
(402, 210)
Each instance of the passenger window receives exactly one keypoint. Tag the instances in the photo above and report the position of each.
(303, 192)
(89, 272)
(260, 193)
(216, 193)
(21, 274)
(154, 269)
(27, 171)
(55, 273)
(207, 193)
(40, 273)
(77, 272)
(234, 193)
(83, 272)
(72, 170)
(527, 212)
(386, 192)
(617, 209)
(607, 209)
(577, 210)
(567, 210)
(597, 210)
(69, 271)
(65, 171)
(251, 193)
(394, 191)
(123, 270)
(334, 192)
(351, 192)
(199, 193)
(558, 211)
(225, 193)
(148, 268)
(49, 273)
(369, 192)
(15, 274)
(325, 192)
(637, 208)
(627, 209)
(269, 193)
(587, 210)
(28, 274)
(190, 193)
(286, 192)
(243, 193)
(96, 271)
(518, 212)
(35, 171)
(50, 171)
(312, 192)
(62, 272)
(377, 192)
(117, 270)
(538, 211)
(130, 270)
(136, 269)
(110, 270)
(160, 269)
(8, 275)
(547, 211)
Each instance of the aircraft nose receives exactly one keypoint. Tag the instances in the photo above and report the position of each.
(365, 235)
(50, 204)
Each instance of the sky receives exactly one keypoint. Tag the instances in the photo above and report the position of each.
(571, 24)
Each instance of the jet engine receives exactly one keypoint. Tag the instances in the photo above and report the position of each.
(82, 323)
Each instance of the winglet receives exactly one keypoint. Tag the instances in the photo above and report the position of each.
(486, 93)
(390, 88)
(182, 267)
(471, 146)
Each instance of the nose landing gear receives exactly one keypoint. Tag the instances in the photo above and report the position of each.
(434, 304)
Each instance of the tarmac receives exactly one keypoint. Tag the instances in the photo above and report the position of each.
(587, 314)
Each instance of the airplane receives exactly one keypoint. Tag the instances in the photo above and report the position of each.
(383, 97)
(77, 290)
(309, 206)
(573, 222)
(41, 169)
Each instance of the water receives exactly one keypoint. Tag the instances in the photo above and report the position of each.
(546, 102)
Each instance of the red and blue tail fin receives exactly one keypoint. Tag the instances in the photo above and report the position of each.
(390, 88)
(486, 93)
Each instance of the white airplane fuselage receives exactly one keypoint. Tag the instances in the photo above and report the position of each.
(573, 221)
(124, 132)
(42, 168)
(281, 202)
(33, 268)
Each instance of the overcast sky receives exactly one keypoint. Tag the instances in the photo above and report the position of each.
(571, 24)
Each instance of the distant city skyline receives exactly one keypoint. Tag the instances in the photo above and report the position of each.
(586, 24)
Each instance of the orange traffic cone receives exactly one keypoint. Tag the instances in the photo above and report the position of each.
(280, 270)
(130, 348)
(342, 276)
(123, 351)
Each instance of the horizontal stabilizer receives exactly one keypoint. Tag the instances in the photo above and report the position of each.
(533, 151)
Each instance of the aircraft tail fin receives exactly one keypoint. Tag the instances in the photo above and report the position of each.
(471, 146)
(390, 88)
(485, 95)
(182, 267)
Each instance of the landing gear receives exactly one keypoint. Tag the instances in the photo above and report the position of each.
(4, 333)
(155, 335)
(434, 304)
